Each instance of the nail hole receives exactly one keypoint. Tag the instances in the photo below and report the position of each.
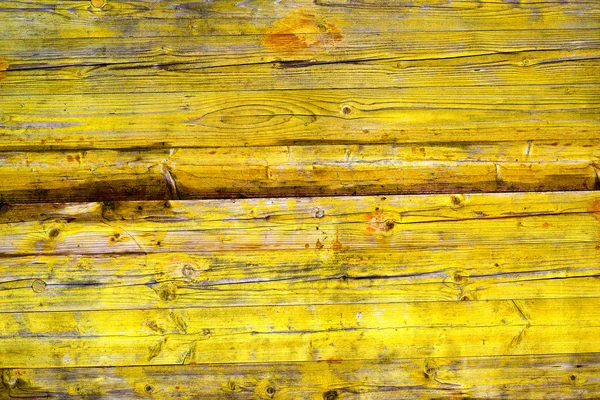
(149, 388)
(270, 391)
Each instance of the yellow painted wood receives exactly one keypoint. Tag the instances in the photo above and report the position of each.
(142, 18)
(297, 251)
(298, 170)
(531, 377)
(325, 276)
(564, 67)
(303, 333)
(453, 295)
(185, 52)
(248, 118)
(221, 321)
(276, 224)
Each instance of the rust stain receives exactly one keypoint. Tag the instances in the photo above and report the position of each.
(3, 67)
(299, 31)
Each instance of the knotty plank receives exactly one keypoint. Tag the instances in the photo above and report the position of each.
(298, 171)
(291, 223)
(266, 118)
(531, 377)
(300, 333)
(277, 224)
(332, 19)
(290, 251)
(217, 279)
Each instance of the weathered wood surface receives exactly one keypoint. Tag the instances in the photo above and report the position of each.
(299, 333)
(532, 377)
(96, 175)
(429, 276)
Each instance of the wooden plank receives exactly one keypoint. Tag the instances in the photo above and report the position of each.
(298, 170)
(299, 333)
(339, 250)
(219, 321)
(566, 67)
(114, 18)
(210, 51)
(393, 222)
(141, 18)
(267, 118)
(324, 276)
(531, 377)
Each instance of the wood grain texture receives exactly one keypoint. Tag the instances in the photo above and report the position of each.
(226, 119)
(66, 176)
(138, 255)
(458, 260)
(278, 224)
(531, 377)
(299, 333)
(141, 18)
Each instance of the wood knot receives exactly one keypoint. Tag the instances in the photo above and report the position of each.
(270, 390)
(430, 369)
(53, 233)
(167, 292)
(457, 200)
(38, 286)
(460, 277)
(98, 3)
(189, 272)
(331, 395)
(319, 213)
(346, 110)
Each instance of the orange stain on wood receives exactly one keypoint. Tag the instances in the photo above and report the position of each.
(595, 209)
(380, 222)
(71, 158)
(299, 31)
(3, 68)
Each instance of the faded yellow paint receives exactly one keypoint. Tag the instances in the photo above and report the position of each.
(419, 280)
